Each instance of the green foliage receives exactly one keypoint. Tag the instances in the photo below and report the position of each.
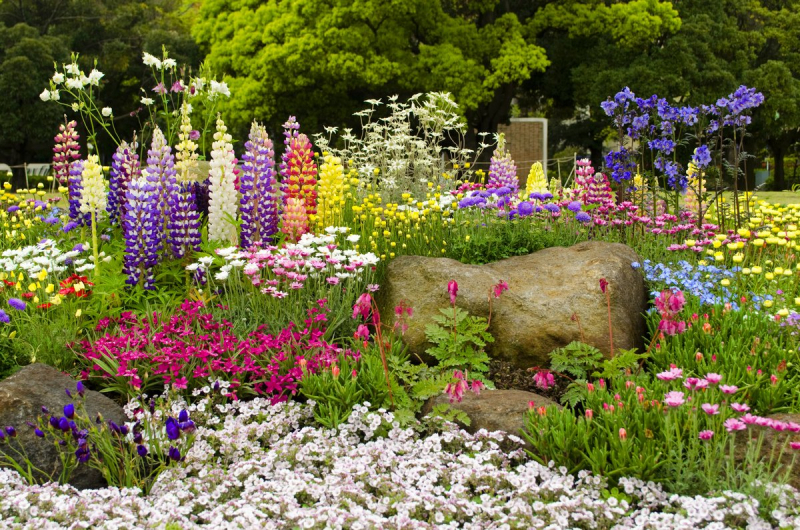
(623, 363)
(336, 394)
(323, 59)
(459, 340)
(577, 359)
(445, 412)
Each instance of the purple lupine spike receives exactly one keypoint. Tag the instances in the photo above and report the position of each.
(141, 229)
(160, 174)
(184, 221)
(124, 168)
(502, 170)
(74, 194)
(259, 188)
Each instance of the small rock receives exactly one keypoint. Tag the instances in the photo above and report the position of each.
(493, 410)
(773, 442)
(534, 317)
(21, 399)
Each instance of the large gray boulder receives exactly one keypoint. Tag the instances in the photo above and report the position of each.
(22, 397)
(534, 316)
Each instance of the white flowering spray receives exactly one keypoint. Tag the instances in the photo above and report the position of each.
(222, 202)
(93, 198)
(186, 150)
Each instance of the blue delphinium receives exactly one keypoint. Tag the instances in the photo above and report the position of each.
(702, 281)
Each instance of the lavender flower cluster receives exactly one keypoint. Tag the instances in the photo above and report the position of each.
(256, 465)
(260, 201)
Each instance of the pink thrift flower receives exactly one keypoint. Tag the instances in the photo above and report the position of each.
(740, 407)
(713, 378)
(674, 399)
(728, 389)
(674, 373)
(733, 424)
(333, 280)
(705, 435)
(710, 409)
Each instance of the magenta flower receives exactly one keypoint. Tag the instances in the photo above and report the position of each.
(733, 424)
(362, 332)
(499, 288)
(674, 399)
(674, 373)
(740, 407)
(713, 378)
(728, 389)
(705, 435)
(795, 445)
(544, 379)
(603, 285)
(194, 135)
(362, 306)
(710, 409)
(160, 89)
(452, 288)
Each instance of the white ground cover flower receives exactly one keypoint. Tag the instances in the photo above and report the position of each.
(45, 255)
(265, 466)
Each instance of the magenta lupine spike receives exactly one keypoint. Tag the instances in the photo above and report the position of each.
(502, 170)
(160, 173)
(66, 151)
(184, 221)
(75, 182)
(141, 227)
(124, 168)
(260, 201)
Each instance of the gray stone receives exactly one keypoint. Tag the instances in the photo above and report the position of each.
(22, 397)
(534, 316)
(493, 410)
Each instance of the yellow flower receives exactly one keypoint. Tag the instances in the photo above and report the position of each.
(756, 270)
(758, 242)
(725, 282)
(78, 313)
(738, 257)
(769, 276)
(50, 288)
(767, 303)
(745, 271)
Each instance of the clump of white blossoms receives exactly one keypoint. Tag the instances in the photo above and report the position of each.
(223, 200)
(254, 465)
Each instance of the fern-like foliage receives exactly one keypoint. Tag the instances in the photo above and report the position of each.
(623, 363)
(575, 393)
(459, 340)
(577, 359)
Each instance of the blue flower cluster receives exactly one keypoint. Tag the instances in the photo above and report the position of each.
(702, 281)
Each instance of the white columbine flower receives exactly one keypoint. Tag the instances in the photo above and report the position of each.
(45, 95)
(93, 195)
(220, 88)
(147, 101)
(55, 96)
(106, 111)
(72, 69)
(74, 83)
(58, 78)
(95, 76)
(151, 60)
(168, 63)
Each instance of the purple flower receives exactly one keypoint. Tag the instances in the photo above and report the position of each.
(177, 86)
(17, 304)
(583, 217)
(194, 135)
(4, 317)
(574, 206)
(502, 170)
(11, 431)
(524, 208)
(53, 422)
(124, 168)
(160, 89)
(75, 184)
(174, 454)
(69, 410)
(12, 209)
(183, 416)
(701, 157)
(260, 201)
(172, 428)
(38, 432)
(63, 424)
(141, 450)
(80, 388)
(69, 226)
